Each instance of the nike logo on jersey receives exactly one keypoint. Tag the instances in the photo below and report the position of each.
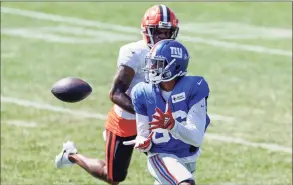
(178, 97)
(198, 83)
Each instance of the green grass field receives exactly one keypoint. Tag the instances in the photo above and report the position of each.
(244, 50)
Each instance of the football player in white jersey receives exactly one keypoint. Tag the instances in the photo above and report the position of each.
(171, 114)
(159, 22)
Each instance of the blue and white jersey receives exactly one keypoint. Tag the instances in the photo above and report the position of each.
(188, 91)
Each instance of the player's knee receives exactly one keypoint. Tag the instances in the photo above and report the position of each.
(187, 182)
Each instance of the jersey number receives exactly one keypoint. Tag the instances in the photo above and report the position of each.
(162, 135)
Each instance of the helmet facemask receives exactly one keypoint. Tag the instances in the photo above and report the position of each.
(158, 69)
(151, 32)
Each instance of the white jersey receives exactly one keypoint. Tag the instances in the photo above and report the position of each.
(132, 55)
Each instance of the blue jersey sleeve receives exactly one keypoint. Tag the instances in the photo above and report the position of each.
(202, 91)
(138, 99)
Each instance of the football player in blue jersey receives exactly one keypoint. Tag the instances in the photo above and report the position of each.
(171, 114)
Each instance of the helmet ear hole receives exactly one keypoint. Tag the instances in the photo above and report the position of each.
(177, 67)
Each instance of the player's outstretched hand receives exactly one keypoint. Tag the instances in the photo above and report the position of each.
(162, 120)
(141, 143)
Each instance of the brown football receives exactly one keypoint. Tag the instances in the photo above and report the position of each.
(71, 89)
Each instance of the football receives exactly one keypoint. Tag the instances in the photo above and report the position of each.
(71, 89)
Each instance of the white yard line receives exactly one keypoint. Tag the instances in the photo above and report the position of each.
(42, 106)
(7, 55)
(67, 19)
(50, 34)
(269, 146)
(26, 33)
(132, 30)
(19, 123)
(104, 35)
(236, 30)
(236, 46)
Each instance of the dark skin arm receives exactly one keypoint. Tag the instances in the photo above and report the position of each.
(122, 80)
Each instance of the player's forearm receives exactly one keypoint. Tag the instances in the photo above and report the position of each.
(192, 131)
(123, 100)
(188, 134)
(122, 81)
(142, 125)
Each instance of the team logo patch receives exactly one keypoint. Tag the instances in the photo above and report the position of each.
(176, 52)
(178, 97)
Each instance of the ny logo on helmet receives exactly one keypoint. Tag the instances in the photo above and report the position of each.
(176, 52)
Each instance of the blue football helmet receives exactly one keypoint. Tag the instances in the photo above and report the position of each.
(166, 60)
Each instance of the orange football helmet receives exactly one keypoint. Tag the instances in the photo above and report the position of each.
(156, 18)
